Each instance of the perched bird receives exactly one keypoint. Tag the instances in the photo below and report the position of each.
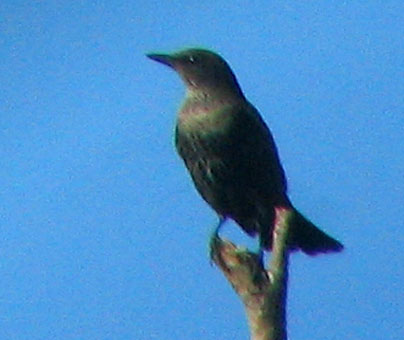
(231, 154)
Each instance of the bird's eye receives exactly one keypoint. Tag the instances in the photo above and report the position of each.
(192, 59)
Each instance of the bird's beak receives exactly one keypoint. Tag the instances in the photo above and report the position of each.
(165, 59)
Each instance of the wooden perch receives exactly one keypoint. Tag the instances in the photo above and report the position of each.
(262, 291)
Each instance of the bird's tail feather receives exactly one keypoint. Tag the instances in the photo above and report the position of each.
(310, 239)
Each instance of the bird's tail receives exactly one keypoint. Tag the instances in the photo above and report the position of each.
(310, 239)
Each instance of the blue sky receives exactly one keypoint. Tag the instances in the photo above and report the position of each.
(102, 233)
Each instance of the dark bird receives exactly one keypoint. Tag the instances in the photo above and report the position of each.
(231, 154)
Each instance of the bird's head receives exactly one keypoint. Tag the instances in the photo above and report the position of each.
(201, 70)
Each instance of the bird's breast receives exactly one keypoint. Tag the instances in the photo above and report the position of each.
(205, 118)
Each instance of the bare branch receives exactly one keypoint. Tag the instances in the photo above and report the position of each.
(262, 291)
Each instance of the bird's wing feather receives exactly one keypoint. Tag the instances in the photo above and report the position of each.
(255, 154)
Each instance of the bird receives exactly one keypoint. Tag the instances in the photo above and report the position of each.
(231, 154)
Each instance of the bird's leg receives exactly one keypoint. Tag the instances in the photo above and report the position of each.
(260, 252)
(266, 219)
(214, 238)
(215, 233)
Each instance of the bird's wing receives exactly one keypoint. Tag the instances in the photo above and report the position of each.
(255, 154)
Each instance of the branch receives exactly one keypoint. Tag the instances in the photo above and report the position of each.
(263, 292)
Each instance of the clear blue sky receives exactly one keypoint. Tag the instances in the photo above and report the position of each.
(102, 235)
